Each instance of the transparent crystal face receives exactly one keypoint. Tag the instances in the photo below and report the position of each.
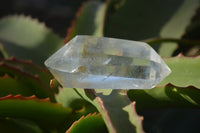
(107, 63)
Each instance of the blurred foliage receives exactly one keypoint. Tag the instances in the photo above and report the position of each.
(32, 101)
(26, 38)
(57, 14)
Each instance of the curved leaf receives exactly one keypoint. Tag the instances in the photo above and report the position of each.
(9, 85)
(89, 20)
(168, 96)
(116, 109)
(185, 72)
(26, 38)
(25, 78)
(71, 99)
(29, 67)
(182, 18)
(138, 19)
(192, 33)
(89, 124)
(44, 113)
(8, 125)
(183, 90)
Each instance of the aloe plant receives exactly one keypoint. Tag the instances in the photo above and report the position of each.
(31, 100)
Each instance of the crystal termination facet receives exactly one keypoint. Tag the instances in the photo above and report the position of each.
(107, 63)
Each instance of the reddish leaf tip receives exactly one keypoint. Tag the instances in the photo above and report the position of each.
(83, 117)
(26, 62)
(54, 83)
(4, 76)
(37, 76)
(180, 55)
(2, 64)
(69, 31)
(23, 98)
(172, 85)
(80, 110)
(73, 23)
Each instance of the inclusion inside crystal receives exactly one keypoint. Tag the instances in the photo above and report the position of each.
(107, 63)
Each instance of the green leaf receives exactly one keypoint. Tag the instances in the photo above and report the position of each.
(3, 53)
(18, 80)
(116, 109)
(29, 67)
(183, 90)
(32, 83)
(192, 33)
(141, 19)
(89, 20)
(168, 96)
(26, 38)
(185, 72)
(8, 125)
(10, 85)
(89, 124)
(69, 98)
(138, 19)
(49, 116)
(183, 94)
(182, 18)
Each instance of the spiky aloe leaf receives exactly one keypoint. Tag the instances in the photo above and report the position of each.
(88, 124)
(49, 116)
(26, 78)
(10, 85)
(183, 90)
(69, 98)
(28, 66)
(116, 109)
(185, 71)
(166, 103)
(9, 125)
(26, 38)
(28, 81)
(89, 20)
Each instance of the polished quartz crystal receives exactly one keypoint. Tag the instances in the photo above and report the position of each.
(107, 63)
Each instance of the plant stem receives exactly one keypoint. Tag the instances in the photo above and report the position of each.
(161, 40)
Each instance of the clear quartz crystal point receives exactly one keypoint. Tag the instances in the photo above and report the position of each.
(107, 63)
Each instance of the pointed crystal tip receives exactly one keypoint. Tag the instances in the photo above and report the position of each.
(107, 63)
